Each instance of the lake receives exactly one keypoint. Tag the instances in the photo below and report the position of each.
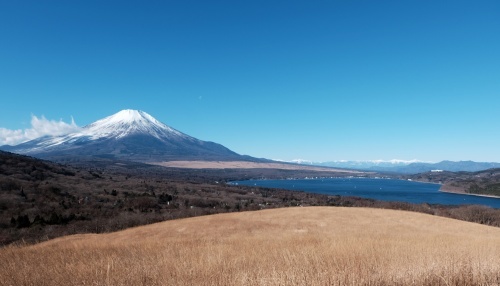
(379, 189)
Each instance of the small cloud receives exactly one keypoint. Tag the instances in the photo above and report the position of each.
(40, 126)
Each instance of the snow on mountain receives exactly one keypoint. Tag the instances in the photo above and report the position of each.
(127, 122)
(124, 123)
(360, 163)
(130, 134)
(302, 162)
(394, 162)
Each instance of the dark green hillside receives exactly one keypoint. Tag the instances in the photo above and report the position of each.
(485, 182)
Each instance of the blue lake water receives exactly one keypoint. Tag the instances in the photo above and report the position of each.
(379, 189)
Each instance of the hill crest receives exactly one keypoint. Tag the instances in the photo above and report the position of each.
(291, 246)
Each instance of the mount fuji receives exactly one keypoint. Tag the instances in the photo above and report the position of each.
(127, 135)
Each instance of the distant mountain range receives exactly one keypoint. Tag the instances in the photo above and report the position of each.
(127, 135)
(406, 167)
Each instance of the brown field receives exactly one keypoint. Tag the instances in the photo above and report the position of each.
(291, 246)
(249, 165)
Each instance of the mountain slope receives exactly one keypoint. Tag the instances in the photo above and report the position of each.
(130, 135)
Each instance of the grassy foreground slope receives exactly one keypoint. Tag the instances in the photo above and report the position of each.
(290, 246)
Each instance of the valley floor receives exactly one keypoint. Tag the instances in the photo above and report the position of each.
(249, 165)
(288, 246)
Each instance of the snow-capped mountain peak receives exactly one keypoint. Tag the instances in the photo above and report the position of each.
(128, 134)
(128, 122)
(128, 116)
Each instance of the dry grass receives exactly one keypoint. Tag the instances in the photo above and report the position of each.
(293, 246)
(250, 165)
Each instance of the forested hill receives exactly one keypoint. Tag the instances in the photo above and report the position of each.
(485, 182)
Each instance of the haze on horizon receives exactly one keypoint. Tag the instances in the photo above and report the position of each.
(321, 81)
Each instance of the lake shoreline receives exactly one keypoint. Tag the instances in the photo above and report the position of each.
(447, 188)
(469, 194)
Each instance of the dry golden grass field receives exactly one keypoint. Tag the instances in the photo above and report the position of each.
(291, 246)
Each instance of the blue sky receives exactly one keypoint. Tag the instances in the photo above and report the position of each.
(317, 80)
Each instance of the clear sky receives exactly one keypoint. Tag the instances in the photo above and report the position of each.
(317, 80)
